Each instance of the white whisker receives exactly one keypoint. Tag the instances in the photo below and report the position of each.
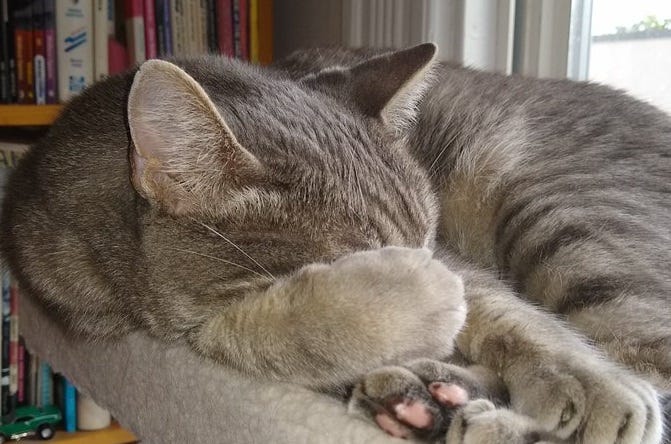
(237, 248)
(220, 260)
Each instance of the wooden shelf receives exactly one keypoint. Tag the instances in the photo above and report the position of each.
(28, 115)
(111, 435)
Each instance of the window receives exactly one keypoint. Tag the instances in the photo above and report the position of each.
(623, 44)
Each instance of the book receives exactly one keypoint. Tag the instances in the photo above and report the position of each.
(135, 31)
(32, 393)
(74, 32)
(39, 52)
(225, 27)
(69, 406)
(211, 26)
(253, 31)
(177, 26)
(5, 403)
(5, 96)
(265, 32)
(151, 51)
(45, 385)
(100, 39)
(163, 28)
(22, 16)
(51, 68)
(23, 373)
(13, 344)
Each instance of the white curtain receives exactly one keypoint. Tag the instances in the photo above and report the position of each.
(526, 36)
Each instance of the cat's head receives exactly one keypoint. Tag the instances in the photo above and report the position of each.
(248, 174)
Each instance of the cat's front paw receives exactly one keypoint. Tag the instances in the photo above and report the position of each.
(590, 402)
(401, 302)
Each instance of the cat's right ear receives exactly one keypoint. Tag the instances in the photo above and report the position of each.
(386, 87)
(184, 156)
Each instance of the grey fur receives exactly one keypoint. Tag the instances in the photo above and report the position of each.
(303, 170)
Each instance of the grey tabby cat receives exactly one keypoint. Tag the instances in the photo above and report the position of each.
(278, 222)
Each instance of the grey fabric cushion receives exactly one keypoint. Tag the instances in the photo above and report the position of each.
(166, 393)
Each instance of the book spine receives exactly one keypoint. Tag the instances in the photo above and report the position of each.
(265, 31)
(100, 39)
(150, 30)
(167, 24)
(237, 48)
(70, 406)
(188, 30)
(23, 373)
(50, 50)
(4, 390)
(177, 24)
(202, 26)
(11, 55)
(39, 53)
(13, 344)
(211, 27)
(46, 394)
(135, 31)
(23, 44)
(253, 31)
(4, 52)
(243, 23)
(225, 27)
(74, 23)
(33, 386)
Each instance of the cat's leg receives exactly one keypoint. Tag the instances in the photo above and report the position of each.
(325, 326)
(552, 375)
(420, 398)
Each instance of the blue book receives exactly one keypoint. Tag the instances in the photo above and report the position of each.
(46, 395)
(69, 406)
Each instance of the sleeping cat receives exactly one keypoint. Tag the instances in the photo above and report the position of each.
(280, 226)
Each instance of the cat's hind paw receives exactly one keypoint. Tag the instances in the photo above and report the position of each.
(418, 400)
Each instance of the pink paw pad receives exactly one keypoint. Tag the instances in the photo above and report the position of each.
(389, 425)
(413, 413)
(450, 395)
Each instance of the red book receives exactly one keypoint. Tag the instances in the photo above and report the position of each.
(150, 30)
(21, 393)
(225, 27)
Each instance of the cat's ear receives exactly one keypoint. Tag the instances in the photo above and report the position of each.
(387, 86)
(184, 155)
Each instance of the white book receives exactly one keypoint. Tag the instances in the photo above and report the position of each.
(74, 46)
(100, 38)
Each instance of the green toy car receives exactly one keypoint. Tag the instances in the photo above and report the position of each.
(29, 420)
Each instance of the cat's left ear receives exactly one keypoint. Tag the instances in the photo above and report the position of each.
(387, 87)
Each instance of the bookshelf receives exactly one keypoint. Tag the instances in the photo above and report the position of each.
(28, 115)
(111, 435)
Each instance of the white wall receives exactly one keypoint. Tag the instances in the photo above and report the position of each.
(641, 66)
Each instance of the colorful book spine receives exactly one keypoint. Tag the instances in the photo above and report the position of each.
(243, 24)
(50, 50)
(39, 53)
(4, 390)
(151, 50)
(23, 373)
(177, 25)
(265, 31)
(45, 385)
(13, 344)
(253, 31)
(32, 392)
(23, 47)
(69, 406)
(74, 31)
(211, 26)
(225, 27)
(100, 39)
(162, 21)
(5, 96)
(135, 31)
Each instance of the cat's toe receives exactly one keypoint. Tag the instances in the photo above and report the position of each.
(451, 395)
(402, 404)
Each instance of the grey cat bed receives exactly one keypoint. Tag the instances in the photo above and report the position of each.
(166, 393)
